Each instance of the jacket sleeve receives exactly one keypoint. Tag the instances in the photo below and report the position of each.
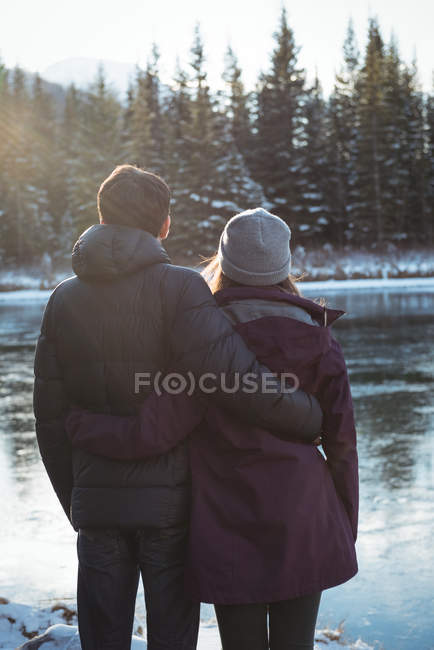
(339, 439)
(163, 421)
(50, 405)
(202, 340)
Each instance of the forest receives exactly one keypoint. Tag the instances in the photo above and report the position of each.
(352, 170)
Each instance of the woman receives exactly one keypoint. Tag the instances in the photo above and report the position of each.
(273, 523)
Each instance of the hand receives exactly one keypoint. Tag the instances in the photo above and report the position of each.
(317, 441)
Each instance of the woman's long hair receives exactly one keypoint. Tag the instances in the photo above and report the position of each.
(217, 280)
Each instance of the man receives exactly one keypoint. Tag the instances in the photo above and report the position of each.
(126, 313)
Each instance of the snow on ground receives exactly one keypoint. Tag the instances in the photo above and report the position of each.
(15, 279)
(24, 295)
(327, 263)
(391, 284)
(324, 264)
(369, 283)
(27, 627)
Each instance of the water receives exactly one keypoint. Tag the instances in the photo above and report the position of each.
(387, 337)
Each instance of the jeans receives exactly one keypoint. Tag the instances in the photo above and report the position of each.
(291, 624)
(110, 564)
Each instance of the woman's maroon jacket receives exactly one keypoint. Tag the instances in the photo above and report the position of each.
(270, 519)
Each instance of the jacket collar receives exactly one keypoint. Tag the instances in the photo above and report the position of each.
(323, 315)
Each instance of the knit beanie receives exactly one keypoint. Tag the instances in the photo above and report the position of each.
(254, 248)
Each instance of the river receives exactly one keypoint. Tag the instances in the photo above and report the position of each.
(387, 336)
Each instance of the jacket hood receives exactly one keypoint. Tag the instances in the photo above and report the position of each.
(107, 251)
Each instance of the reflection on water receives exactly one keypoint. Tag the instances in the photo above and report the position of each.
(387, 339)
(18, 326)
(37, 557)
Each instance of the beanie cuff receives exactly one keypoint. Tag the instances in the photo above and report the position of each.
(251, 278)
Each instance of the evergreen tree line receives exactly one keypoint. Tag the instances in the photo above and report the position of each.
(355, 168)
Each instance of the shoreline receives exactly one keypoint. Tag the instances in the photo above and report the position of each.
(323, 264)
(360, 284)
(25, 627)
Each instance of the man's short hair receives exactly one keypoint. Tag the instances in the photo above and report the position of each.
(133, 197)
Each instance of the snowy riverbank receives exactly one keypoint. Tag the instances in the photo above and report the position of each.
(29, 628)
(322, 264)
(318, 288)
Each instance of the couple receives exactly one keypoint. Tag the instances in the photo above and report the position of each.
(221, 496)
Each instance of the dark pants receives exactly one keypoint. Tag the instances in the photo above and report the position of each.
(110, 564)
(291, 624)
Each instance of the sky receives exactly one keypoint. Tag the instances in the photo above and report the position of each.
(38, 33)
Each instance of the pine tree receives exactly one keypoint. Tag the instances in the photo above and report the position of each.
(202, 146)
(200, 153)
(416, 223)
(396, 179)
(234, 190)
(313, 179)
(127, 124)
(178, 121)
(238, 110)
(45, 171)
(5, 122)
(213, 167)
(279, 125)
(20, 196)
(371, 140)
(146, 131)
(390, 156)
(70, 139)
(342, 193)
(98, 144)
(429, 167)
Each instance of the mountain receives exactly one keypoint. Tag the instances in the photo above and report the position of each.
(82, 71)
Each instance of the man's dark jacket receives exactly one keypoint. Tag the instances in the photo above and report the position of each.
(128, 310)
